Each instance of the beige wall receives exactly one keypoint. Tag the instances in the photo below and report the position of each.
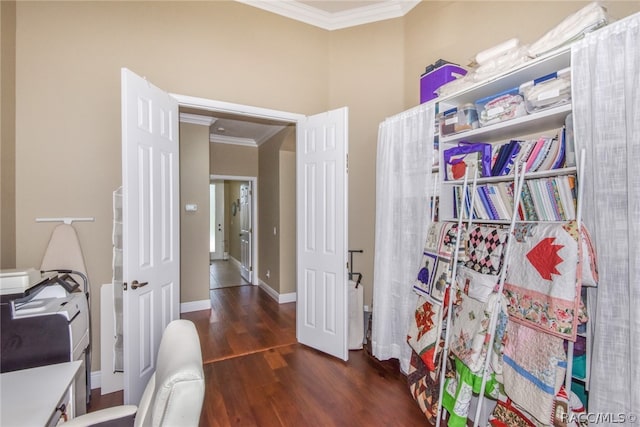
(236, 160)
(194, 226)
(269, 211)
(7, 134)
(366, 75)
(287, 229)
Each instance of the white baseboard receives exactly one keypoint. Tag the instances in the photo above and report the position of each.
(280, 298)
(187, 307)
(284, 298)
(96, 379)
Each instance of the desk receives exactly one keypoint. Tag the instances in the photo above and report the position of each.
(29, 397)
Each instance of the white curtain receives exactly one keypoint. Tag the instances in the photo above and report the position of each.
(403, 190)
(606, 78)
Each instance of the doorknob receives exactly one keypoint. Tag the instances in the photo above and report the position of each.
(136, 285)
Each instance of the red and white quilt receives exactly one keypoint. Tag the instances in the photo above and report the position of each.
(543, 290)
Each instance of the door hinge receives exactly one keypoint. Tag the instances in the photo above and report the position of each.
(347, 162)
(251, 268)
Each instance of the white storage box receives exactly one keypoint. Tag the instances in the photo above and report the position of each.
(457, 120)
(502, 106)
(547, 91)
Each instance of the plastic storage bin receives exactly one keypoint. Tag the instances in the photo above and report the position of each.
(500, 107)
(548, 91)
(457, 120)
(434, 77)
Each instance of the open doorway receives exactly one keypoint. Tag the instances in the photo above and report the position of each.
(231, 232)
(258, 146)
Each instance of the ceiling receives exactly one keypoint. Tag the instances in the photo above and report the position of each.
(336, 14)
(232, 129)
(326, 14)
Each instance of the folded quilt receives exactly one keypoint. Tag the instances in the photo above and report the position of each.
(497, 51)
(437, 258)
(485, 248)
(458, 391)
(424, 386)
(534, 364)
(587, 19)
(471, 320)
(424, 333)
(543, 291)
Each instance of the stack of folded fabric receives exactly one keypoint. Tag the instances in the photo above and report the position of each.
(498, 59)
(587, 19)
(510, 54)
(489, 63)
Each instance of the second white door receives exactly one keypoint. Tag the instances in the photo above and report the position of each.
(322, 231)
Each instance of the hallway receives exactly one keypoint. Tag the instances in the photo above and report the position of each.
(223, 274)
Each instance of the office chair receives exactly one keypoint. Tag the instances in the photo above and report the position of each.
(175, 392)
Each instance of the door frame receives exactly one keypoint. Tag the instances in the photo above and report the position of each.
(256, 112)
(194, 102)
(254, 218)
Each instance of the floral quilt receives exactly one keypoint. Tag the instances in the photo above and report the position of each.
(543, 291)
(471, 319)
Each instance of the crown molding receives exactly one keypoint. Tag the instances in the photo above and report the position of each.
(335, 21)
(223, 139)
(196, 119)
(269, 134)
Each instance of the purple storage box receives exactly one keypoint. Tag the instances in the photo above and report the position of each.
(432, 80)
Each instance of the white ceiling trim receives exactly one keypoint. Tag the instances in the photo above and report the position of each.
(223, 139)
(196, 119)
(269, 134)
(335, 21)
(231, 108)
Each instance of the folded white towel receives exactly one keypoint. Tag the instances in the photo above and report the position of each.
(496, 50)
(589, 18)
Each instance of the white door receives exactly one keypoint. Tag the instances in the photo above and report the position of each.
(151, 232)
(321, 175)
(245, 232)
(216, 220)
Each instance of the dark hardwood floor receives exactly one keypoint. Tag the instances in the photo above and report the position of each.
(258, 375)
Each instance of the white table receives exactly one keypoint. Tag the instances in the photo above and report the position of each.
(29, 397)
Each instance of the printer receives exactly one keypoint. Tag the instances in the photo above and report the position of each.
(45, 320)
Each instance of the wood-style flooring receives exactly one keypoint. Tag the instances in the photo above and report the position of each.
(223, 274)
(258, 375)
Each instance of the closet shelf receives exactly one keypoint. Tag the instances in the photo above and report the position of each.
(531, 70)
(509, 178)
(546, 119)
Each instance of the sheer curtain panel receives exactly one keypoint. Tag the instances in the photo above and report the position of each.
(606, 76)
(403, 189)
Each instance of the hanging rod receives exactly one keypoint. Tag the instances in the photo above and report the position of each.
(66, 220)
